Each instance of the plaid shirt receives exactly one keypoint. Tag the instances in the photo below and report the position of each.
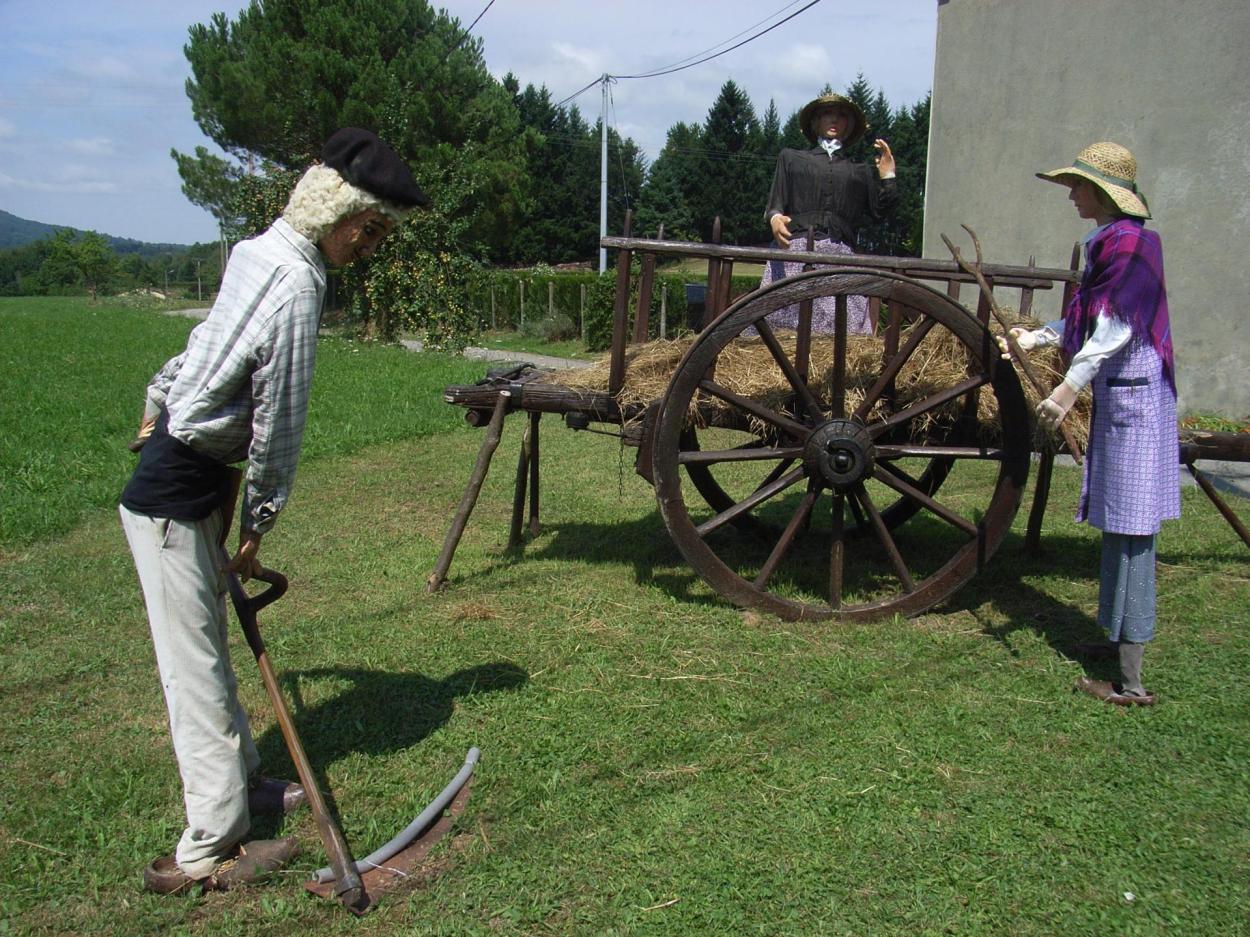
(240, 390)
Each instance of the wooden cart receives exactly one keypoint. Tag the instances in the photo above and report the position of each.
(851, 497)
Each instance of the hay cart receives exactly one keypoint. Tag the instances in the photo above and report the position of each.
(874, 476)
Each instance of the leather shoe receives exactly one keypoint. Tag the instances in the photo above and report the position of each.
(253, 863)
(272, 797)
(247, 864)
(163, 877)
(1110, 692)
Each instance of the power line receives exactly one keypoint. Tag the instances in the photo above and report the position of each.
(677, 68)
(465, 35)
(730, 39)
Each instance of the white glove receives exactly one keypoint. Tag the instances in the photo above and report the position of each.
(1026, 338)
(1054, 408)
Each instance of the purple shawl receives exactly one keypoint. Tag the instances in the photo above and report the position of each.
(1123, 279)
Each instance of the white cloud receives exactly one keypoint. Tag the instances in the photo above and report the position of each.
(96, 146)
(64, 187)
(7, 130)
(807, 64)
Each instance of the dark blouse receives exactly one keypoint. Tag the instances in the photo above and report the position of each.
(832, 195)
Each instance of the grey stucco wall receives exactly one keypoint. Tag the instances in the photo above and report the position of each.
(1024, 86)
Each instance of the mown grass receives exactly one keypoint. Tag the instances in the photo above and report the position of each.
(654, 761)
(72, 378)
(508, 340)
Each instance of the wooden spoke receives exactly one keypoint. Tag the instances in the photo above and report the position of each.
(837, 393)
(756, 409)
(786, 540)
(860, 494)
(890, 371)
(739, 454)
(888, 478)
(939, 452)
(837, 551)
(930, 403)
(756, 498)
(810, 403)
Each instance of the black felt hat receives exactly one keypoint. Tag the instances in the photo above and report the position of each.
(365, 161)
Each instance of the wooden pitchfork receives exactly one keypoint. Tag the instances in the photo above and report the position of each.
(1074, 448)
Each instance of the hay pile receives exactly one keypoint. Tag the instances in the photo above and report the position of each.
(747, 368)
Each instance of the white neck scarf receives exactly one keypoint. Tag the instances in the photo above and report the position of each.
(830, 146)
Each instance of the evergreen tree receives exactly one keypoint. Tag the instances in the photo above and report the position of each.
(731, 180)
(283, 76)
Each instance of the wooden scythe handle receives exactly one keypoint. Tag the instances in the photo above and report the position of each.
(349, 889)
(974, 270)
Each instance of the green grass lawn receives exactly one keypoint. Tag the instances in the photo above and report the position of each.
(654, 760)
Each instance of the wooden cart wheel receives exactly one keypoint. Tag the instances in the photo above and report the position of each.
(806, 476)
(703, 477)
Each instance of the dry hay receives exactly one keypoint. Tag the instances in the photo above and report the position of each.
(747, 368)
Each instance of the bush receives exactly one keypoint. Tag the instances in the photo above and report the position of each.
(555, 328)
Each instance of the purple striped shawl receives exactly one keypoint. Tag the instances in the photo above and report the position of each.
(1123, 279)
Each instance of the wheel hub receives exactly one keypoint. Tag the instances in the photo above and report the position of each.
(840, 452)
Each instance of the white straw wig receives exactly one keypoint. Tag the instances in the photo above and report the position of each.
(322, 198)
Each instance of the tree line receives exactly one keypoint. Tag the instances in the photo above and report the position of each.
(73, 262)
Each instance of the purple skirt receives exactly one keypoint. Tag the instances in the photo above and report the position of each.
(1132, 467)
(824, 308)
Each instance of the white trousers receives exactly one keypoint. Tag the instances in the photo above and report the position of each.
(184, 589)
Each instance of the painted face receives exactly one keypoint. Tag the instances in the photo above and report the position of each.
(1084, 196)
(355, 237)
(834, 123)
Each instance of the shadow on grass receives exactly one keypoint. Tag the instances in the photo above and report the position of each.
(378, 712)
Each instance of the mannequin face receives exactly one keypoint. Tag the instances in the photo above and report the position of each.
(834, 123)
(355, 237)
(1085, 198)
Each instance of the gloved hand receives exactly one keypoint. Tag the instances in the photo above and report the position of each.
(1054, 408)
(1025, 338)
(780, 231)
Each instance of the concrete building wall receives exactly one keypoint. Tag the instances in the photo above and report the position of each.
(1023, 85)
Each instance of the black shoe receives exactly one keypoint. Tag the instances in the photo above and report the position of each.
(272, 797)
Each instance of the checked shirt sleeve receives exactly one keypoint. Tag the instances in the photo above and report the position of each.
(280, 388)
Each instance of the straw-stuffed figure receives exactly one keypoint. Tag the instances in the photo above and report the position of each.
(1117, 334)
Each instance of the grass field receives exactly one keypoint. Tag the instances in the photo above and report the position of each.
(654, 760)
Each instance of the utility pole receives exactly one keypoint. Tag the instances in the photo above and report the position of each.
(603, 173)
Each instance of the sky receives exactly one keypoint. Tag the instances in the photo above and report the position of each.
(92, 91)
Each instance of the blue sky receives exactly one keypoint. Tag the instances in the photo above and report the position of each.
(92, 99)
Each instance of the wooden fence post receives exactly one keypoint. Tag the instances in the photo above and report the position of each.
(493, 326)
(582, 312)
(551, 298)
(663, 309)
(521, 314)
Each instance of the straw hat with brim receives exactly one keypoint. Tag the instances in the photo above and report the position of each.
(1112, 168)
(807, 117)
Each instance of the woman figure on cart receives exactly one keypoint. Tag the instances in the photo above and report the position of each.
(1117, 334)
(820, 190)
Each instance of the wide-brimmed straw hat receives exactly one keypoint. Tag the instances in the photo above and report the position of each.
(1113, 169)
(807, 117)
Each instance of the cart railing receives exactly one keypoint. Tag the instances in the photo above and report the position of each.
(1025, 280)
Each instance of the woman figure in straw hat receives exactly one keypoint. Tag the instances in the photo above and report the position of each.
(821, 191)
(1117, 334)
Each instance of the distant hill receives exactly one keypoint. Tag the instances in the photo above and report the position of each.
(16, 232)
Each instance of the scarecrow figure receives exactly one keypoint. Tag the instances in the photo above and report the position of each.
(1117, 334)
(240, 392)
(821, 190)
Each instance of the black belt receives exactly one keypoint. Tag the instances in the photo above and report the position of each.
(1128, 381)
